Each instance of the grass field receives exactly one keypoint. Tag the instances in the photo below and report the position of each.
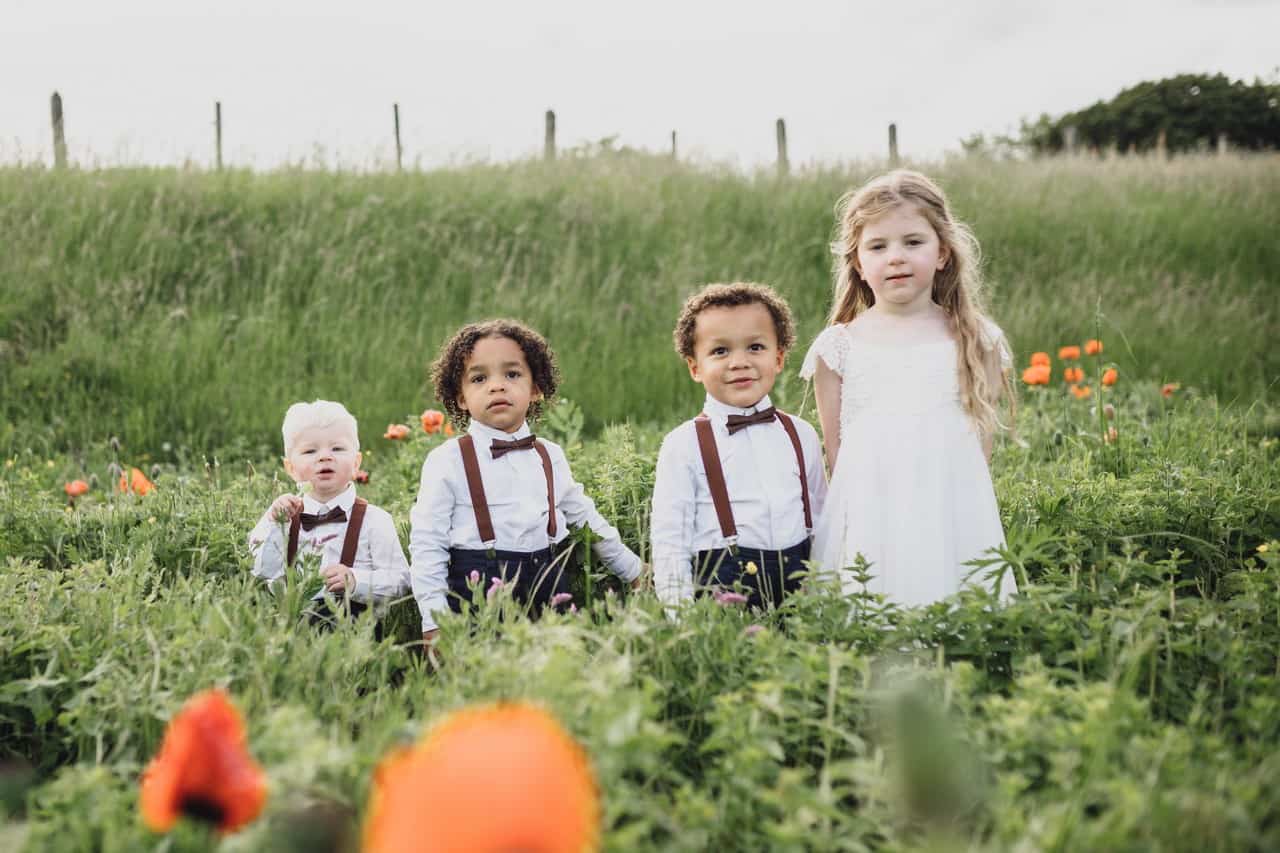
(192, 308)
(1126, 700)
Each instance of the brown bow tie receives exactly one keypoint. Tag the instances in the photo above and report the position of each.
(737, 422)
(499, 447)
(333, 516)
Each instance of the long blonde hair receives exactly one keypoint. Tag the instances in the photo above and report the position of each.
(957, 287)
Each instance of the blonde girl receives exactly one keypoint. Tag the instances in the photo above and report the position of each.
(908, 377)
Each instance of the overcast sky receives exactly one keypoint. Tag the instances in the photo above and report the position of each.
(301, 81)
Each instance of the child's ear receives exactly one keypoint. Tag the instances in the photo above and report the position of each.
(693, 368)
(288, 467)
(782, 358)
(537, 396)
(944, 256)
(359, 459)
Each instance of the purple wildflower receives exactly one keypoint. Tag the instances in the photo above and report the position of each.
(495, 585)
(474, 577)
(725, 598)
(561, 598)
(752, 630)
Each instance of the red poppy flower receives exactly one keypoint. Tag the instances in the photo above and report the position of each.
(493, 778)
(1081, 391)
(1093, 346)
(203, 770)
(1166, 390)
(135, 481)
(1072, 375)
(1037, 374)
(395, 432)
(1069, 353)
(1040, 358)
(432, 420)
(1109, 376)
(76, 488)
(361, 476)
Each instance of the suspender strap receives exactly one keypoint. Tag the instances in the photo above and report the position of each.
(804, 477)
(715, 478)
(471, 465)
(551, 488)
(475, 485)
(294, 527)
(354, 523)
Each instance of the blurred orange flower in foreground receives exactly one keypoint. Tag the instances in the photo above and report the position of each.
(395, 432)
(135, 481)
(203, 770)
(1072, 375)
(1109, 376)
(1166, 390)
(448, 429)
(432, 420)
(483, 780)
(1069, 353)
(1081, 391)
(1040, 358)
(1093, 346)
(1036, 374)
(76, 488)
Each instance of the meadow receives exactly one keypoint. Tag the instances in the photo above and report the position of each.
(1128, 699)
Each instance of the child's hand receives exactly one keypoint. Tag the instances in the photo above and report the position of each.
(285, 507)
(639, 581)
(338, 578)
(429, 647)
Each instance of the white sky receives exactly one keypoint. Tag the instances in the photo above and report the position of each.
(315, 80)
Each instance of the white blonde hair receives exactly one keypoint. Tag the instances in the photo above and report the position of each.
(320, 413)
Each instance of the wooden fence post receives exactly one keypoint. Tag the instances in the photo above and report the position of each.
(784, 165)
(549, 141)
(59, 133)
(395, 108)
(893, 146)
(217, 131)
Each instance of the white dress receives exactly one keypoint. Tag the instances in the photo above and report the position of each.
(911, 490)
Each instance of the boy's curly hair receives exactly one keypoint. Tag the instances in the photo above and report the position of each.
(446, 370)
(731, 296)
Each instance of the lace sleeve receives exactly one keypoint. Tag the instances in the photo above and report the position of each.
(831, 346)
(994, 337)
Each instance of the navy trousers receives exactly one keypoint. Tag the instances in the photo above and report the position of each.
(766, 576)
(535, 577)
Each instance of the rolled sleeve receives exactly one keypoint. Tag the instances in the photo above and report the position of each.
(671, 524)
(430, 520)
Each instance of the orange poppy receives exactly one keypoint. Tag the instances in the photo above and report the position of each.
(1040, 358)
(1093, 346)
(135, 481)
(1069, 353)
(1037, 374)
(1109, 376)
(361, 476)
(1072, 375)
(1166, 390)
(432, 420)
(203, 770)
(76, 488)
(448, 429)
(1081, 391)
(395, 432)
(489, 778)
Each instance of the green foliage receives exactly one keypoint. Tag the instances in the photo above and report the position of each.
(1125, 700)
(183, 312)
(1192, 109)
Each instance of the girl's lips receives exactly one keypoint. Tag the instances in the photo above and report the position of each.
(497, 404)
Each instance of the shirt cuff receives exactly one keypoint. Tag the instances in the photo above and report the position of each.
(434, 604)
(626, 565)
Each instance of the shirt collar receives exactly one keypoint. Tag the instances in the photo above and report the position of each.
(344, 499)
(486, 434)
(720, 412)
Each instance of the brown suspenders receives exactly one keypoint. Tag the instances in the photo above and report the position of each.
(354, 523)
(475, 485)
(715, 475)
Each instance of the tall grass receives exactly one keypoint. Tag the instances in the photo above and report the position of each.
(171, 306)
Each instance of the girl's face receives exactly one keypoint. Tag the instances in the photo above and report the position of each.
(898, 255)
(497, 384)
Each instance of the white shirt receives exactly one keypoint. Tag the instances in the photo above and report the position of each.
(381, 570)
(515, 487)
(763, 480)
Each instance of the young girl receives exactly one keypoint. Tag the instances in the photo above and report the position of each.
(907, 377)
(496, 502)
